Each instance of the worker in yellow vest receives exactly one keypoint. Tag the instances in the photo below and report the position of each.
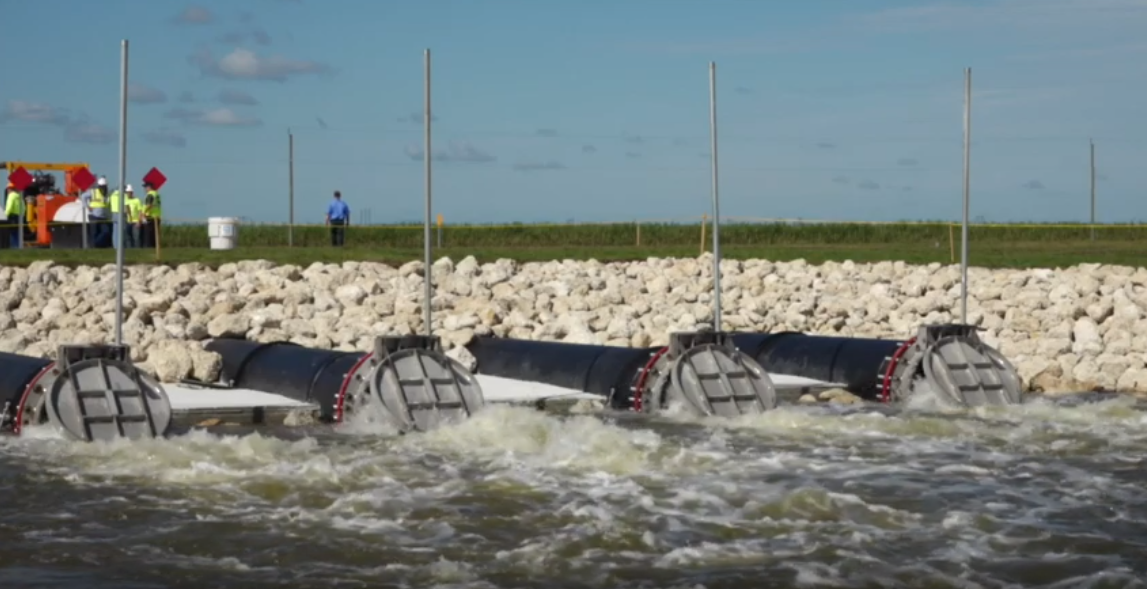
(119, 229)
(134, 215)
(98, 215)
(13, 209)
(152, 214)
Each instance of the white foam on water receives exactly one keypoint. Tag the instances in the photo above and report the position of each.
(812, 496)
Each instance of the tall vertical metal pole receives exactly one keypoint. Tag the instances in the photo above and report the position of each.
(1092, 142)
(426, 271)
(122, 183)
(967, 192)
(291, 188)
(716, 198)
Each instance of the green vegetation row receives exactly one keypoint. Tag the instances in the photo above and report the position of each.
(653, 235)
(990, 254)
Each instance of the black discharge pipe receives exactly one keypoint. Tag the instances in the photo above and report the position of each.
(320, 376)
(852, 362)
(611, 371)
(608, 371)
(308, 375)
(16, 373)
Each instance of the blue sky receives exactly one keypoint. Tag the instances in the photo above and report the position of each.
(594, 110)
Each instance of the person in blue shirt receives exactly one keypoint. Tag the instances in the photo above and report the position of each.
(338, 218)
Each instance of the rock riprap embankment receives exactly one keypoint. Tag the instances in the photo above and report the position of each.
(1078, 328)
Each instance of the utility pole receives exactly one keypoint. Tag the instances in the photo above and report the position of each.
(1092, 143)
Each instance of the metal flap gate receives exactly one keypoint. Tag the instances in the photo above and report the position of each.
(953, 362)
(706, 373)
(96, 393)
(419, 387)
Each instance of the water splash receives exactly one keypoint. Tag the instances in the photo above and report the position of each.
(1038, 495)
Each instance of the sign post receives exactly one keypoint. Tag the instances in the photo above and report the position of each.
(20, 179)
(83, 180)
(156, 179)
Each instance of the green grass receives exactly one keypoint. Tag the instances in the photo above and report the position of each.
(996, 246)
(657, 235)
(988, 253)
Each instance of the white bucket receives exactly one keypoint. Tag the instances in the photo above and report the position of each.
(223, 232)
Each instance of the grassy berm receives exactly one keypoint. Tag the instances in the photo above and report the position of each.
(995, 246)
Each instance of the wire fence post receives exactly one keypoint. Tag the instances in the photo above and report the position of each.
(704, 227)
(1092, 142)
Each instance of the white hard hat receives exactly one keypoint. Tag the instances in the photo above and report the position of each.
(128, 189)
(102, 181)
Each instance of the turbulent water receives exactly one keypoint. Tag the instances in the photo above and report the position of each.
(1037, 495)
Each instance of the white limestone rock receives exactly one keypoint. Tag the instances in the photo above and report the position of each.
(1071, 328)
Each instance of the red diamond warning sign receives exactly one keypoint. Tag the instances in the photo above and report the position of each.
(83, 179)
(155, 178)
(20, 178)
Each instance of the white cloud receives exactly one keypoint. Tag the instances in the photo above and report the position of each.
(539, 166)
(455, 152)
(237, 97)
(1019, 14)
(219, 117)
(195, 15)
(145, 94)
(77, 129)
(90, 133)
(225, 117)
(164, 136)
(34, 112)
(244, 64)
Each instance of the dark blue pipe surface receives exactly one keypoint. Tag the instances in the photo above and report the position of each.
(853, 362)
(309, 375)
(16, 371)
(603, 370)
(606, 370)
(316, 376)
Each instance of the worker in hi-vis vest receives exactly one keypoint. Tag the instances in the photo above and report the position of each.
(152, 214)
(98, 215)
(134, 212)
(13, 209)
(126, 237)
(118, 230)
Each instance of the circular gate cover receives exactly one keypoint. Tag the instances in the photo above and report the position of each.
(424, 389)
(972, 376)
(101, 399)
(701, 374)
